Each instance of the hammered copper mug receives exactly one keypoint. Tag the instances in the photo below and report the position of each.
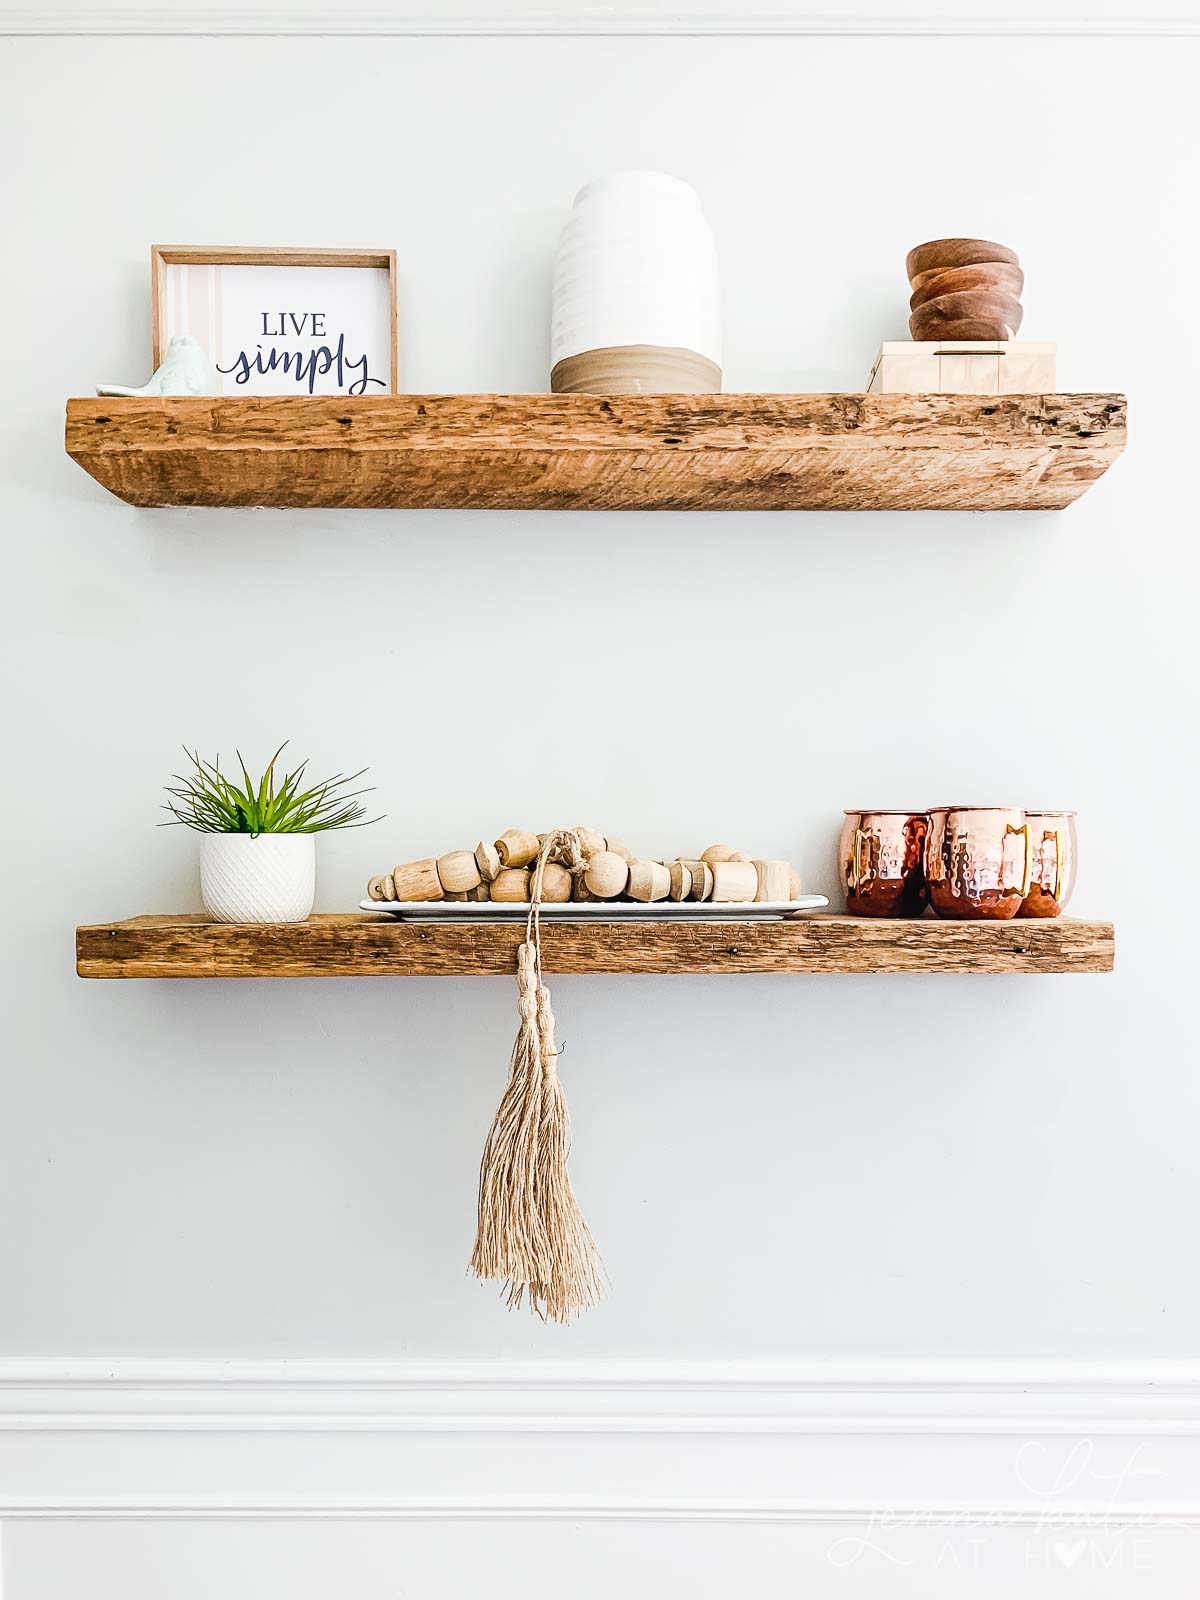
(978, 861)
(1055, 851)
(881, 859)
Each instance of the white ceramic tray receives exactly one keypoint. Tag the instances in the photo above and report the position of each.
(598, 910)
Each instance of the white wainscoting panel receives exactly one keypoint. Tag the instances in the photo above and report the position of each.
(140, 1480)
(413, 1560)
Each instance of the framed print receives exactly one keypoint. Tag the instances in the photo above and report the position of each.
(282, 321)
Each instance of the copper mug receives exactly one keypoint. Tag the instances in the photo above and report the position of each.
(978, 861)
(881, 855)
(1055, 852)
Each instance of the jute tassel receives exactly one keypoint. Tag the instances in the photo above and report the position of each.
(530, 1234)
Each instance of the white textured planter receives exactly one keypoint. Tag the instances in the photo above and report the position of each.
(636, 291)
(271, 878)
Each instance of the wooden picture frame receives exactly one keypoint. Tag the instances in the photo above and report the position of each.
(165, 257)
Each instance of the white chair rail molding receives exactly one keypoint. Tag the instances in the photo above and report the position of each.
(1052, 1444)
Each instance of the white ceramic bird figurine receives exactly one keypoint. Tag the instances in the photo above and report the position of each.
(185, 369)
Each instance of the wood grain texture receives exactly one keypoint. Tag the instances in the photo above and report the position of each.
(999, 311)
(635, 369)
(956, 253)
(363, 945)
(238, 255)
(836, 452)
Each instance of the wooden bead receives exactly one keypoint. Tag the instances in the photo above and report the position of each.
(590, 842)
(619, 848)
(458, 871)
(418, 880)
(794, 889)
(516, 849)
(739, 856)
(481, 891)
(389, 887)
(487, 859)
(734, 880)
(773, 880)
(511, 883)
(556, 883)
(717, 852)
(681, 880)
(456, 894)
(375, 889)
(648, 880)
(702, 880)
(606, 875)
(580, 891)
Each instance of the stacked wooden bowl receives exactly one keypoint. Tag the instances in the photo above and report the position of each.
(964, 289)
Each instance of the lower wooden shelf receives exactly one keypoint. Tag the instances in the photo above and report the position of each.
(362, 945)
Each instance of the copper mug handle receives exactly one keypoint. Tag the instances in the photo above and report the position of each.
(1027, 877)
(1058, 862)
(860, 834)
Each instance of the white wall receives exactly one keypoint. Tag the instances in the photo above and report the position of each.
(776, 1168)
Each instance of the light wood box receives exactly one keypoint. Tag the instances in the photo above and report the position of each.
(984, 366)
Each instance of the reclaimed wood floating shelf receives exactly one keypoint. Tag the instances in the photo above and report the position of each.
(364, 945)
(715, 452)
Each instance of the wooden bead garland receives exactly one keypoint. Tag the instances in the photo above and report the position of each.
(590, 867)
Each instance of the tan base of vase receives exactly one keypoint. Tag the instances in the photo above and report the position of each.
(636, 369)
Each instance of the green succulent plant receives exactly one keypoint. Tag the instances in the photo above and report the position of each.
(206, 800)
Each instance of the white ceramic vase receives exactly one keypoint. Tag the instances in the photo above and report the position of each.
(271, 878)
(636, 305)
